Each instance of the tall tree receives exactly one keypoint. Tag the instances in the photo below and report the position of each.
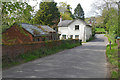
(66, 16)
(48, 14)
(112, 21)
(78, 12)
(65, 11)
(62, 7)
(69, 11)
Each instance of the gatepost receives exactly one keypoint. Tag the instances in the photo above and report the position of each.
(118, 42)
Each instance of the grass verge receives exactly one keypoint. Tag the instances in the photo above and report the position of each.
(112, 58)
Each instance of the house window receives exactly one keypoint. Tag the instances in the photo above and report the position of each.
(64, 36)
(76, 36)
(76, 27)
(71, 36)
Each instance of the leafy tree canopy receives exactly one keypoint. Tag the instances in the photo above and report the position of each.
(48, 14)
(112, 21)
(66, 16)
(15, 12)
(65, 11)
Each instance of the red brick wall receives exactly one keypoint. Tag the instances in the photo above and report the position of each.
(16, 49)
(16, 34)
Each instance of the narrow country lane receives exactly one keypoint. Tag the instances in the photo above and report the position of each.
(86, 61)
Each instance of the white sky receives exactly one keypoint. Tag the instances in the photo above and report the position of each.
(86, 5)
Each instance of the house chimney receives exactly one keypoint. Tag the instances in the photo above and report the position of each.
(60, 18)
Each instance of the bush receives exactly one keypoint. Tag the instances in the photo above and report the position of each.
(110, 38)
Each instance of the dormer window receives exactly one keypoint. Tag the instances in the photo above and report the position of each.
(76, 27)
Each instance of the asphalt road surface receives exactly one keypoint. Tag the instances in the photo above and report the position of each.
(86, 61)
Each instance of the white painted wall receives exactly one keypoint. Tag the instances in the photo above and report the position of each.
(63, 31)
(88, 32)
(74, 32)
(84, 32)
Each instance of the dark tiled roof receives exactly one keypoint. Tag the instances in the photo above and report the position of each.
(34, 30)
(45, 28)
(65, 23)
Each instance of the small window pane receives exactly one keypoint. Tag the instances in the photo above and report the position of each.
(76, 27)
(71, 36)
(64, 36)
(76, 36)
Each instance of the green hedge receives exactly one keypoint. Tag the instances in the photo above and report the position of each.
(100, 31)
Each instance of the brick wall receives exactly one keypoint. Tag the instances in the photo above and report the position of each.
(16, 34)
(13, 50)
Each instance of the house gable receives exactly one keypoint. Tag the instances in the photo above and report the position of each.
(76, 22)
(64, 23)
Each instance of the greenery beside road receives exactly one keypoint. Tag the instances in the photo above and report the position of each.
(110, 38)
(110, 23)
(42, 52)
(112, 58)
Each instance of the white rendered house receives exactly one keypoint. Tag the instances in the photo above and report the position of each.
(74, 29)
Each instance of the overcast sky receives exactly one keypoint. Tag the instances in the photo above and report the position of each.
(86, 5)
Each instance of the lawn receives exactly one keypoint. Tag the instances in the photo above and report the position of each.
(100, 30)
